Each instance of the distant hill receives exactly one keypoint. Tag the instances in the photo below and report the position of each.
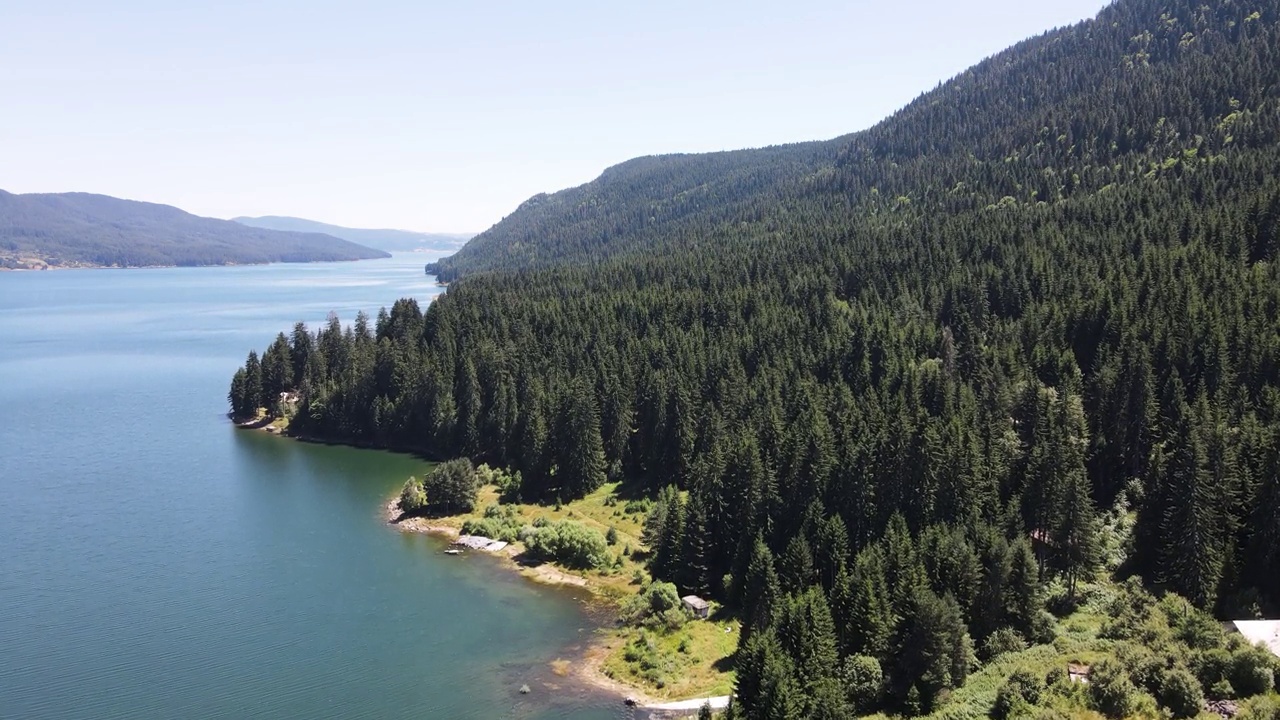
(86, 230)
(394, 240)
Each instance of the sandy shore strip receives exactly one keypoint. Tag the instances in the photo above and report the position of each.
(587, 669)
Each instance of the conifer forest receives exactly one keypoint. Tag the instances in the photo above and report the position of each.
(885, 390)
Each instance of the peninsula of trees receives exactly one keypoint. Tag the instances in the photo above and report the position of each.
(900, 394)
(84, 230)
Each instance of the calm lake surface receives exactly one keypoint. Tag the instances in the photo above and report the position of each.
(155, 562)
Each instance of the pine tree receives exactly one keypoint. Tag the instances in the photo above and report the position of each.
(467, 401)
(695, 564)
(831, 550)
(252, 385)
(1022, 600)
(236, 395)
(667, 554)
(765, 685)
(580, 466)
(807, 633)
(761, 592)
(860, 606)
(1074, 539)
(1191, 555)
(797, 572)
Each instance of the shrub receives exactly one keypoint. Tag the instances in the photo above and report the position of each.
(863, 682)
(1110, 690)
(568, 544)
(1260, 708)
(1004, 640)
(507, 482)
(1147, 670)
(1017, 695)
(1026, 684)
(502, 528)
(1252, 671)
(657, 604)
(611, 537)
(1008, 704)
(413, 499)
(1191, 625)
(1211, 668)
(661, 597)
(672, 619)
(1181, 693)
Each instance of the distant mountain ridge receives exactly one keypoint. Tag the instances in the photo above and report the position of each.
(87, 230)
(383, 239)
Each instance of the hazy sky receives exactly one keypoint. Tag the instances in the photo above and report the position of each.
(441, 116)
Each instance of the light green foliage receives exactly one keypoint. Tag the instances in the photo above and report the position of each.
(1265, 707)
(1004, 640)
(1111, 692)
(413, 499)
(567, 543)
(863, 681)
(658, 605)
(1181, 694)
(506, 482)
(500, 522)
(646, 655)
(1253, 671)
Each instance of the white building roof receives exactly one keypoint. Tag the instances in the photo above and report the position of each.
(1266, 632)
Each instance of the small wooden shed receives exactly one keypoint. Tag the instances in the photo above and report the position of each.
(696, 605)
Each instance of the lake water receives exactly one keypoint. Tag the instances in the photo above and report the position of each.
(155, 562)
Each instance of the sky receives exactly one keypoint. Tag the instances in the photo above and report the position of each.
(444, 116)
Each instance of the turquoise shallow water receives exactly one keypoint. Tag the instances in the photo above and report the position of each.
(157, 563)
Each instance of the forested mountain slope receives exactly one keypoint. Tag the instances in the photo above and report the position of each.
(390, 240)
(81, 229)
(880, 367)
(644, 205)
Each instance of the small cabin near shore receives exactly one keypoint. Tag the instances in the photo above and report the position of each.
(697, 606)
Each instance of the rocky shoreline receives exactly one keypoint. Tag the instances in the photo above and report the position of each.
(588, 668)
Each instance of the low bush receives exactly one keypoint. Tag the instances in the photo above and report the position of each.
(567, 543)
(413, 499)
(1181, 693)
(863, 682)
(657, 605)
(1263, 707)
(1004, 640)
(1019, 693)
(1111, 692)
(507, 482)
(1252, 671)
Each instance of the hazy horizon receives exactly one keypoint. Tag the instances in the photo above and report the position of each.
(444, 119)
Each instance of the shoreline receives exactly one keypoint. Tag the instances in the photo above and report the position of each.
(588, 668)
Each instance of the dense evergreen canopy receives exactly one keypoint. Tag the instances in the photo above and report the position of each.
(895, 378)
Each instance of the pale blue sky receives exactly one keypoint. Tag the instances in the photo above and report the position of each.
(442, 116)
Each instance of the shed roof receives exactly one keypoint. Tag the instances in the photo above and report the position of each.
(695, 601)
(1266, 632)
